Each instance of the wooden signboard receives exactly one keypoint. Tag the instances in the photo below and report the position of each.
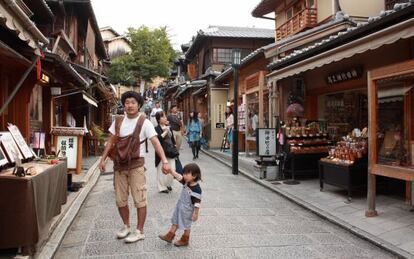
(68, 143)
(21, 143)
(10, 147)
(3, 158)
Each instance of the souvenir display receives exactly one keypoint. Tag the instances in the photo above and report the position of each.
(10, 147)
(21, 143)
(350, 149)
(307, 139)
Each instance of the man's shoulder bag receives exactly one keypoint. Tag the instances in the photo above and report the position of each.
(126, 148)
(118, 121)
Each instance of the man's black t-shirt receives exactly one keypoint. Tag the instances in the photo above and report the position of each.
(175, 122)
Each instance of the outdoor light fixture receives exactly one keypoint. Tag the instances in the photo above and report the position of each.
(236, 59)
(45, 79)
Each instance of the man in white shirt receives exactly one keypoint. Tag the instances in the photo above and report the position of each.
(131, 177)
(154, 111)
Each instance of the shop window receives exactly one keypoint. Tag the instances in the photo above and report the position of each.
(289, 14)
(344, 112)
(310, 3)
(394, 125)
(224, 56)
(252, 114)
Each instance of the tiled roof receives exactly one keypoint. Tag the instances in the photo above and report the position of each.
(244, 61)
(229, 32)
(340, 35)
(236, 32)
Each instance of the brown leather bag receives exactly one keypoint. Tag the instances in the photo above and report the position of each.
(118, 121)
(127, 149)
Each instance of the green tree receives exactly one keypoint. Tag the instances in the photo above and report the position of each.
(152, 55)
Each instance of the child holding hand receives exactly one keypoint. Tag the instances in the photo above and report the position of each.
(188, 206)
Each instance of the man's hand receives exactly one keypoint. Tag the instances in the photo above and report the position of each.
(166, 168)
(195, 216)
(102, 166)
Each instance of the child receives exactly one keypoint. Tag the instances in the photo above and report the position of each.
(188, 205)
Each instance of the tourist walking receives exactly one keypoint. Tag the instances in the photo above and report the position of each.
(176, 125)
(125, 147)
(188, 206)
(229, 124)
(166, 138)
(157, 108)
(194, 133)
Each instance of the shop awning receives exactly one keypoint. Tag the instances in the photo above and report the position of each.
(372, 41)
(61, 70)
(200, 91)
(89, 99)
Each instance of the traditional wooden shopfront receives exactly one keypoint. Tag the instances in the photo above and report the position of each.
(395, 159)
(253, 98)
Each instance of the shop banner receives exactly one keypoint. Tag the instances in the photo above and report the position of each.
(67, 146)
(266, 142)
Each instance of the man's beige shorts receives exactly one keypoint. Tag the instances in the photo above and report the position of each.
(133, 180)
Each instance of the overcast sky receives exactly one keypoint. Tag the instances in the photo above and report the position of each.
(183, 18)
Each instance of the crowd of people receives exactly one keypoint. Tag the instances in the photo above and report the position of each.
(126, 148)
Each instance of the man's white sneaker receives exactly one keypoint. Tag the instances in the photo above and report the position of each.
(134, 236)
(123, 233)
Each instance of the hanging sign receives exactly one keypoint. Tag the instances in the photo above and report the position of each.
(266, 142)
(345, 75)
(67, 146)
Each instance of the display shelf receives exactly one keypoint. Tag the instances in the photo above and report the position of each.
(344, 175)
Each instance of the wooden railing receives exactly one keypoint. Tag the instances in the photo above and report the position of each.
(307, 18)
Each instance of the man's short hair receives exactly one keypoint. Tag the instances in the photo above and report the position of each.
(173, 106)
(132, 94)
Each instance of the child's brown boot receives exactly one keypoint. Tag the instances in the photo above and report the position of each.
(167, 237)
(183, 240)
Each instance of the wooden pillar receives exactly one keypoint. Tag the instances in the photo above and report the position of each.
(372, 145)
(261, 103)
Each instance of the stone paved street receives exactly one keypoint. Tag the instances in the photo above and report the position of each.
(239, 219)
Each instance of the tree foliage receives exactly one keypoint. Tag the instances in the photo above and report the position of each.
(152, 55)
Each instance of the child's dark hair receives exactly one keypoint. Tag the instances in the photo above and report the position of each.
(194, 170)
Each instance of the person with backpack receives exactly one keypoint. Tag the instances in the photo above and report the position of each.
(194, 133)
(126, 149)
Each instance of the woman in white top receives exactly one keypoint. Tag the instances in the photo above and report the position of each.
(229, 124)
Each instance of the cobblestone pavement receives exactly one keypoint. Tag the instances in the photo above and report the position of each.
(239, 219)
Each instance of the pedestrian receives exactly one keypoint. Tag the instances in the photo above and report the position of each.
(187, 208)
(157, 108)
(127, 133)
(194, 133)
(165, 136)
(229, 124)
(176, 125)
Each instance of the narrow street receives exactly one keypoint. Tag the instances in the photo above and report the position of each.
(239, 219)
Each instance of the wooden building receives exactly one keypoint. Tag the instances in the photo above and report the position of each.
(347, 80)
(207, 56)
(67, 39)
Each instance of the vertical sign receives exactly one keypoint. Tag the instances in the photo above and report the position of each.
(219, 117)
(266, 142)
(68, 147)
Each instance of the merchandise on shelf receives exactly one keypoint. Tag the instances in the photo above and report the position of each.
(349, 150)
(309, 139)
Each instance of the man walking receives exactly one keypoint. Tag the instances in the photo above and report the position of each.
(154, 111)
(127, 135)
(176, 125)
